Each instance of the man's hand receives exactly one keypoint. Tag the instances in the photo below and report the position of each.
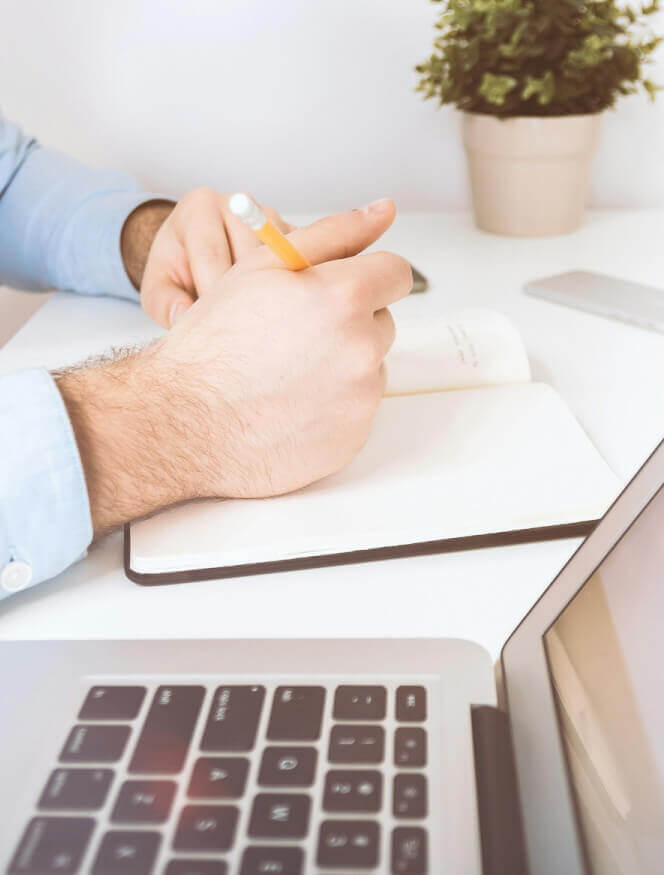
(174, 254)
(269, 383)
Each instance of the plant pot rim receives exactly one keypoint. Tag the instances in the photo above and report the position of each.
(540, 118)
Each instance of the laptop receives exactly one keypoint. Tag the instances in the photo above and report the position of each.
(283, 757)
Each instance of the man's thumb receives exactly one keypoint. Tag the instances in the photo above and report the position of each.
(165, 303)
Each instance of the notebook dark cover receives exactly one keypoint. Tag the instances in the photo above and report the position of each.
(402, 551)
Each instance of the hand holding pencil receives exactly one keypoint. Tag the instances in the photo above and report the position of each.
(242, 206)
(288, 364)
(248, 211)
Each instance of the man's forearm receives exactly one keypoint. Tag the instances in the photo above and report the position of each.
(120, 412)
(129, 418)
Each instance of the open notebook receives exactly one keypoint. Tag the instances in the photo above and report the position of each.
(465, 452)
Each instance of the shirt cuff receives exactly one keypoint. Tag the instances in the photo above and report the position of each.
(45, 521)
(90, 255)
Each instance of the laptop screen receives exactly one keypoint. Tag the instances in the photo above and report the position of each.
(605, 654)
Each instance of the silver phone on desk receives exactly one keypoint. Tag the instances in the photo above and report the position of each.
(604, 296)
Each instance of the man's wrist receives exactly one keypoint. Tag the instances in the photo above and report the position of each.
(138, 233)
(125, 419)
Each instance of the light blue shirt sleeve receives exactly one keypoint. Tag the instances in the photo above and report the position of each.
(60, 221)
(60, 226)
(45, 522)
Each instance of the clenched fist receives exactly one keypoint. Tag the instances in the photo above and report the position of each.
(268, 383)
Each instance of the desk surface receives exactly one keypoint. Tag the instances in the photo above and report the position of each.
(610, 374)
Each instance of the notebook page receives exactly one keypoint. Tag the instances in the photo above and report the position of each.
(437, 466)
(463, 349)
(460, 350)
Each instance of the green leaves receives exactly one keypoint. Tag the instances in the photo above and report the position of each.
(512, 49)
(592, 52)
(539, 57)
(543, 89)
(494, 89)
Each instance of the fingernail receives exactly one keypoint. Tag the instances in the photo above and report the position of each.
(380, 206)
(177, 310)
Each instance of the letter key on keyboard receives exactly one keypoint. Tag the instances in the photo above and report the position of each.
(126, 853)
(233, 720)
(410, 747)
(196, 867)
(360, 703)
(356, 744)
(76, 789)
(95, 744)
(218, 778)
(206, 828)
(410, 851)
(297, 713)
(411, 704)
(144, 802)
(272, 861)
(410, 796)
(112, 703)
(288, 767)
(279, 816)
(52, 846)
(343, 844)
(169, 725)
(353, 790)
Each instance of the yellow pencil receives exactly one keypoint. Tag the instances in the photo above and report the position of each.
(251, 214)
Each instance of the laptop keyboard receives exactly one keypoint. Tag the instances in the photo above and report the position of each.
(243, 779)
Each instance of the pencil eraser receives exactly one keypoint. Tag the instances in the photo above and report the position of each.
(242, 206)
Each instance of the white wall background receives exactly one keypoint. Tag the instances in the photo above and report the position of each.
(307, 103)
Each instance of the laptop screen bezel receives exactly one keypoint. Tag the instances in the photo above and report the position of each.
(553, 837)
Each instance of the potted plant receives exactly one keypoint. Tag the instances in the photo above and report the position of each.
(532, 78)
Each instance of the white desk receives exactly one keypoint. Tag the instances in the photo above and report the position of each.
(610, 374)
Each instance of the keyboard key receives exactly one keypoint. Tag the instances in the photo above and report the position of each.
(410, 747)
(196, 867)
(52, 845)
(144, 802)
(233, 720)
(112, 703)
(126, 853)
(169, 725)
(219, 778)
(344, 844)
(360, 703)
(409, 851)
(297, 714)
(95, 744)
(288, 767)
(355, 790)
(79, 789)
(279, 816)
(206, 828)
(357, 744)
(411, 704)
(410, 796)
(272, 861)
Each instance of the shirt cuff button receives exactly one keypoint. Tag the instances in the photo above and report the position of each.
(16, 575)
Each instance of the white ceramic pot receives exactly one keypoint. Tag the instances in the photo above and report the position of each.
(530, 176)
